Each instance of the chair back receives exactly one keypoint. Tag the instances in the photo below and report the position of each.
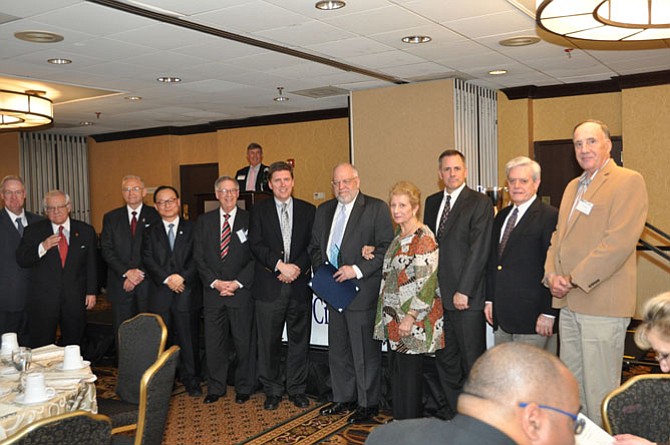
(155, 393)
(640, 406)
(141, 341)
(75, 428)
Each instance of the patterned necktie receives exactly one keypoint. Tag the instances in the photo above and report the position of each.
(225, 236)
(133, 223)
(584, 182)
(251, 180)
(19, 226)
(336, 239)
(62, 246)
(171, 236)
(286, 231)
(443, 218)
(511, 223)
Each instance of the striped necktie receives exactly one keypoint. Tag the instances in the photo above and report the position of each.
(225, 236)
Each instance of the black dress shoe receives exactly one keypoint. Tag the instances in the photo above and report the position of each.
(338, 408)
(364, 414)
(272, 403)
(194, 391)
(211, 398)
(241, 397)
(299, 400)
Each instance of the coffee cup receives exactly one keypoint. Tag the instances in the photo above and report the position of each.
(36, 390)
(72, 358)
(10, 343)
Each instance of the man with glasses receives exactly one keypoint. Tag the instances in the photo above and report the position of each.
(121, 242)
(13, 278)
(174, 286)
(61, 255)
(342, 227)
(226, 269)
(515, 394)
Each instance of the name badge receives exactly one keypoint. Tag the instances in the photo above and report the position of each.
(241, 177)
(242, 235)
(584, 206)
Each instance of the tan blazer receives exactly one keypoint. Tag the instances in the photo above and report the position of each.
(598, 250)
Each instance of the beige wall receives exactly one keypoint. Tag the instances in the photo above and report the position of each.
(399, 132)
(316, 146)
(9, 153)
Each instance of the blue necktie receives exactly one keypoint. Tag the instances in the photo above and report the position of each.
(19, 226)
(336, 239)
(171, 236)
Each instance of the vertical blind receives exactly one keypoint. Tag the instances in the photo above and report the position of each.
(55, 161)
(476, 132)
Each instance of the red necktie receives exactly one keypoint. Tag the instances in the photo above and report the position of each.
(62, 246)
(225, 237)
(133, 223)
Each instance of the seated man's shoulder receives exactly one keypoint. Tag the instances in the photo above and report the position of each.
(409, 431)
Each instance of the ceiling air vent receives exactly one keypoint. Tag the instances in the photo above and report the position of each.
(318, 93)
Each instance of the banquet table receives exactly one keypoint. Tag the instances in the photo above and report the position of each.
(75, 390)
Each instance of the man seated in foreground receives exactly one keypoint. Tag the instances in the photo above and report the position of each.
(515, 394)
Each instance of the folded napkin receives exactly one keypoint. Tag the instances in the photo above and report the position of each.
(48, 352)
(6, 410)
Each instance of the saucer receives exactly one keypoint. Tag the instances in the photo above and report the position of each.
(19, 399)
(84, 364)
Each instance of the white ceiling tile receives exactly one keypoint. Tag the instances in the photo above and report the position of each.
(92, 19)
(302, 34)
(388, 58)
(443, 11)
(251, 16)
(377, 21)
(417, 70)
(358, 46)
(492, 24)
(160, 36)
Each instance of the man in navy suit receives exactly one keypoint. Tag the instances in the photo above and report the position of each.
(226, 269)
(518, 305)
(121, 242)
(279, 236)
(174, 286)
(461, 219)
(13, 278)
(61, 255)
(254, 177)
(354, 357)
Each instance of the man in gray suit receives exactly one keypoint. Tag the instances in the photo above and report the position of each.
(13, 278)
(354, 356)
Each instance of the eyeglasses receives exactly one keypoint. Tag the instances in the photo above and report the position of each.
(137, 188)
(13, 192)
(579, 423)
(51, 209)
(226, 191)
(662, 356)
(346, 182)
(166, 202)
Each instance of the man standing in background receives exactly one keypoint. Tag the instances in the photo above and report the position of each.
(518, 306)
(61, 255)
(591, 265)
(121, 242)
(461, 219)
(342, 227)
(254, 177)
(13, 278)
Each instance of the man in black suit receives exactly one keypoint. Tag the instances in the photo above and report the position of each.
(226, 268)
(279, 236)
(355, 358)
(61, 255)
(518, 305)
(461, 219)
(13, 278)
(254, 177)
(174, 287)
(121, 242)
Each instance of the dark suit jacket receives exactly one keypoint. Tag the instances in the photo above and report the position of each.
(514, 281)
(238, 264)
(49, 280)
(369, 224)
(162, 262)
(464, 245)
(120, 249)
(261, 178)
(267, 247)
(13, 278)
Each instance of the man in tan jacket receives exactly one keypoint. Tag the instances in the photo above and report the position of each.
(591, 268)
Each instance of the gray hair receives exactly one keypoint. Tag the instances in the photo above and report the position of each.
(523, 161)
(129, 177)
(225, 178)
(11, 178)
(54, 193)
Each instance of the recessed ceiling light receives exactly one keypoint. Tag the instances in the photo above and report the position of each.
(169, 79)
(520, 41)
(416, 39)
(281, 97)
(329, 5)
(59, 61)
(38, 36)
(133, 98)
(497, 72)
(85, 123)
